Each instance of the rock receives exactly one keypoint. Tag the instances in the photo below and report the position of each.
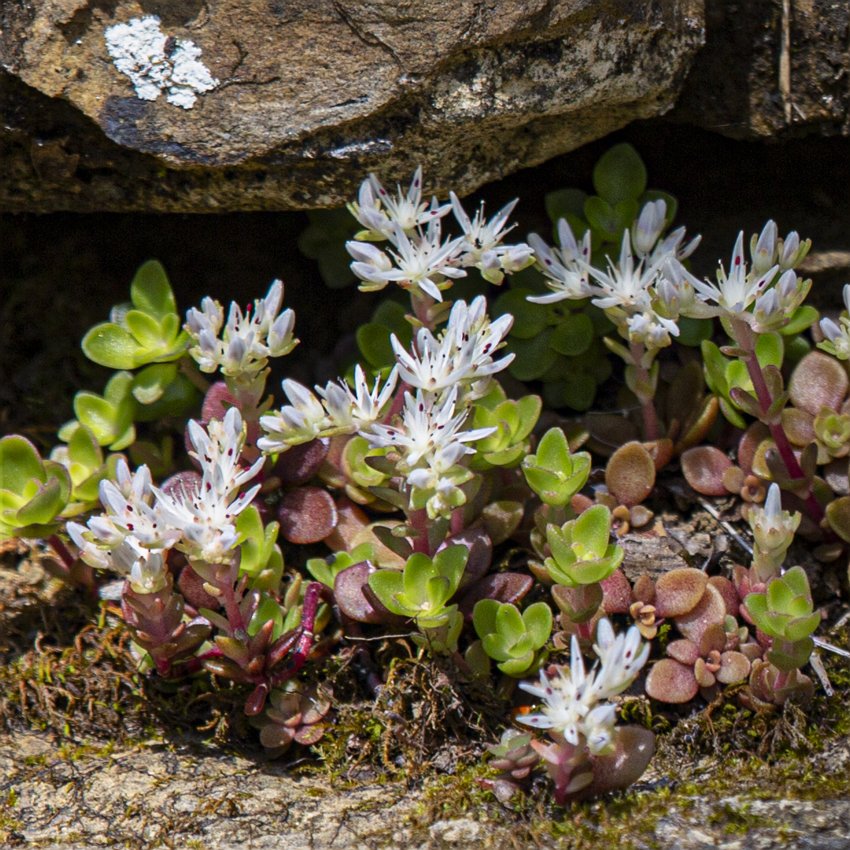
(161, 105)
(739, 86)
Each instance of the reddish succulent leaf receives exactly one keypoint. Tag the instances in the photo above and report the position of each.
(684, 651)
(630, 474)
(818, 381)
(607, 430)
(349, 595)
(503, 587)
(617, 593)
(477, 543)
(835, 474)
(191, 585)
(300, 463)
(217, 401)
(670, 681)
(634, 747)
(307, 515)
(748, 445)
(728, 592)
(661, 452)
(710, 610)
(644, 589)
(713, 639)
(799, 425)
(183, 485)
(679, 591)
(351, 520)
(734, 667)
(703, 468)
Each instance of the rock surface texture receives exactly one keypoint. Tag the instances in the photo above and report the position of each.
(155, 795)
(220, 105)
(186, 105)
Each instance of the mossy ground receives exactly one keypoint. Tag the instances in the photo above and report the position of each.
(67, 673)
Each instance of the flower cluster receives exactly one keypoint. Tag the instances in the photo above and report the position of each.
(639, 293)
(420, 259)
(242, 347)
(441, 376)
(648, 289)
(575, 702)
(142, 522)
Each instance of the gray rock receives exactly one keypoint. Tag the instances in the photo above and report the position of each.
(249, 104)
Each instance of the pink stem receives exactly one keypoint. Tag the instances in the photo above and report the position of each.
(647, 404)
(419, 520)
(783, 446)
(61, 550)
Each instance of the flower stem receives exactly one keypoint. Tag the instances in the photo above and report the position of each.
(419, 520)
(746, 340)
(643, 383)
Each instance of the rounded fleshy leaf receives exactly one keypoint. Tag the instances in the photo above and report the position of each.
(300, 463)
(749, 444)
(351, 522)
(684, 651)
(799, 426)
(351, 598)
(818, 381)
(728, 592)
(307, 515)
(670, 681)
(634, 747)
(710, 610)
(477, 542)
(838, 516)
(502, 587)
(616, 593)
(630, 474)
(734, 667)
(679, 591)
(704, 468)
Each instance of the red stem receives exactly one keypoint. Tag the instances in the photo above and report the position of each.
(783, 446)
(61, 550)
(419, 520)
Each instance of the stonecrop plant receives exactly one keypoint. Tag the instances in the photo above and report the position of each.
(450, 520)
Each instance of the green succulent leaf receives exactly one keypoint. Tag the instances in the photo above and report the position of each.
(110, 345)
(151, 292)
(620, 175)
(20, 463)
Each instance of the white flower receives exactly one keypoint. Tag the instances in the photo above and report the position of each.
(247, 340)
(483, 246)
(463, 352)
(737, 290)
(648, 226)
(625, 284)
(430, 430)
(302, 420)
(353, 411)
(129, 507)
(379, 212)
(145, 569)
(650, 329)
(205, 514)
(572, 701)
(565, 267)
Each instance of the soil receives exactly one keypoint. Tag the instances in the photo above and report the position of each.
(93, 754)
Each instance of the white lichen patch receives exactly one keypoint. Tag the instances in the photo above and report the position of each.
(156, 63)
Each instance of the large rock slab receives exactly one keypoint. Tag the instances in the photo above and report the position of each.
(771, 69)
(185, 105)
